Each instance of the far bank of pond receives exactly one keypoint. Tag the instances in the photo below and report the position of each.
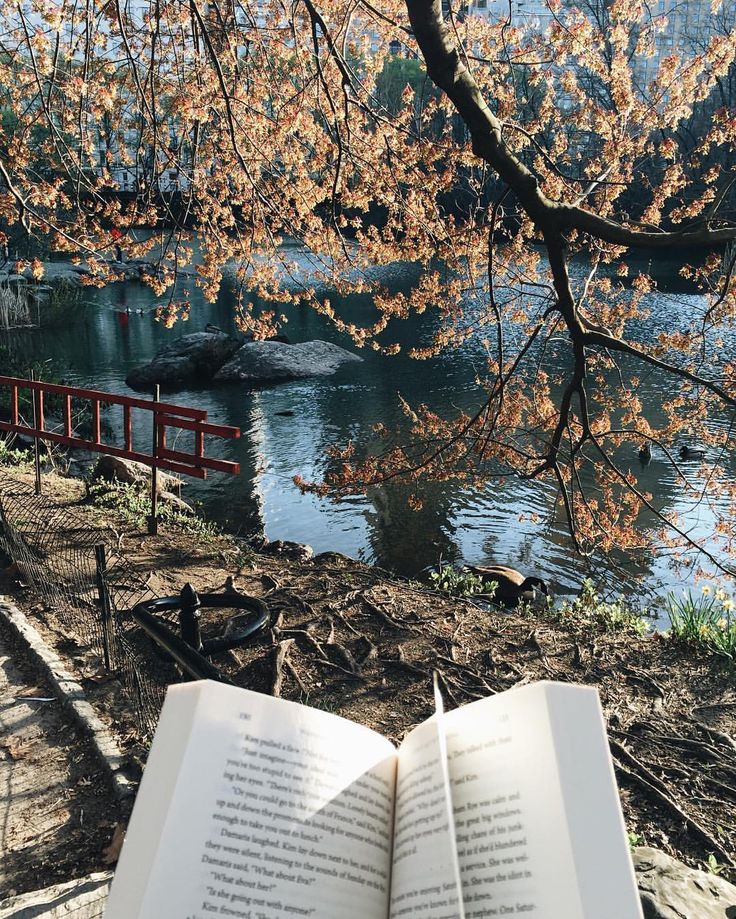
(286, 430)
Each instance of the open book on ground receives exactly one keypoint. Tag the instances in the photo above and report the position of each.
(257, 808)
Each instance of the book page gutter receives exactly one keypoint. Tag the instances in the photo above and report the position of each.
(282, 813)
(424, 878)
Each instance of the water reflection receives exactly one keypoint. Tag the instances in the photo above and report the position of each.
(515, 522)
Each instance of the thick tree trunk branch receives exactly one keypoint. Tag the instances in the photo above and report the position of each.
(445, 66)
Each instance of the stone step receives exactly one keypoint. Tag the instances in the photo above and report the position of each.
(81, 899)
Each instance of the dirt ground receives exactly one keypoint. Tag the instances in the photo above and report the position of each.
(56, 810)
(350, 639)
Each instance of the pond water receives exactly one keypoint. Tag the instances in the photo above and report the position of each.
(456, 524)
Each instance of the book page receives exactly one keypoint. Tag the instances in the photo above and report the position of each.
(515, 832)
(425, 878)
(278, 810)
(594, 817)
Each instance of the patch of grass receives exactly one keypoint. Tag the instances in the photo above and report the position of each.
(707, 620)
(713, 865)
(324, 705)
(460, 583)
(14, 309)
(634, 840)
(14, 457)
(132, 504)
(614, 615)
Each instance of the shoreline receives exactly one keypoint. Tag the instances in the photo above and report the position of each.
(347, 638)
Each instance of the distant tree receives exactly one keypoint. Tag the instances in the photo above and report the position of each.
(401, 75)
(287, 121)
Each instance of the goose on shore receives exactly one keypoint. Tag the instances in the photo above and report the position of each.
(512, 584)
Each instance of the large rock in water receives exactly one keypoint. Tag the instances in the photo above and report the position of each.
(192, 358)
(671, 890)
(273, 361)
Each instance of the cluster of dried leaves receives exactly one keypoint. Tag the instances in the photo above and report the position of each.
(522, 151)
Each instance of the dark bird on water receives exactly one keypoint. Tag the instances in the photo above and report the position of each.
(645, 453)
(512, 584)
(692, 452)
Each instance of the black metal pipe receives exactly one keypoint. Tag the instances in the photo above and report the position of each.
(191, 661)
(189, 651)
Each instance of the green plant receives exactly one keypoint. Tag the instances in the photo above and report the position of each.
(133, 505)
(707, 620)
(615, 615)
(634, 840)
(14, 457)
(454, 581)
(713, 865)
(324, 705)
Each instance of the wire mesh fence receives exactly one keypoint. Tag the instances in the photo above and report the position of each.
(79, 573)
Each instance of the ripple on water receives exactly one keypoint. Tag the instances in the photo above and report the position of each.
(516, 522)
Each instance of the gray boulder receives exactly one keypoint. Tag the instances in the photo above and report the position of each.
(274, 362)
(299, 551)
(192, 358)
(671, 890)
(130, 472)
(176, 503)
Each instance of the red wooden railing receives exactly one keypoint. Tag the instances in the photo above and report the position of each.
(165, 416)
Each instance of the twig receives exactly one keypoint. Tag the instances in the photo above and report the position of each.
(719, 735)
(341, 617)
(281, 653)
(309, 639)
(446, 685)
(384, 616)
(647, 780)
(292, 670)
(469, 670)
(646, 680)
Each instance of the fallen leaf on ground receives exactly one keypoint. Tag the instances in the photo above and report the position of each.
(112, 853)
(16, 747)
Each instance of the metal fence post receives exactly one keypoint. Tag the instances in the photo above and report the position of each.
(189, 615)
(36, 447)
(105, 605)
(153, 519)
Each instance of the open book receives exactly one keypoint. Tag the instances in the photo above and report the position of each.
(253, 807)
